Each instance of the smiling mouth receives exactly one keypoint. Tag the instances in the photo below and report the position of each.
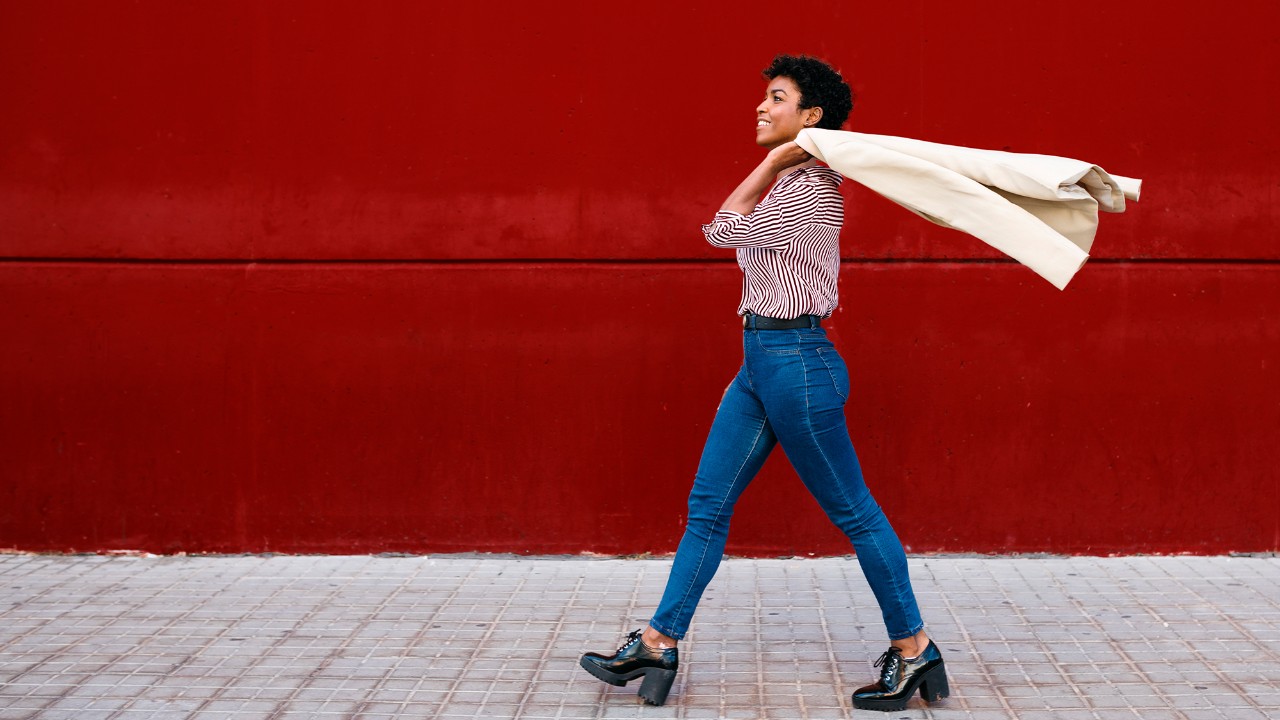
(762, 123)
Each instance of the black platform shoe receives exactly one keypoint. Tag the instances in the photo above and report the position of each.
(900, 677)
(631, 661)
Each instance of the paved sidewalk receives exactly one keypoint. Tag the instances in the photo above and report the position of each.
(89, 637)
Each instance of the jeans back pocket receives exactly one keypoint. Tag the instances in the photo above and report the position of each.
(837, 369)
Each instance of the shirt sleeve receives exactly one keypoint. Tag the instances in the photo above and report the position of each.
(772, 224)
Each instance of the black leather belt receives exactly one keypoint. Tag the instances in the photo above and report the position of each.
(760, 322)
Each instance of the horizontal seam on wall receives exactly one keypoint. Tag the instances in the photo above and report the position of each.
(597, 261)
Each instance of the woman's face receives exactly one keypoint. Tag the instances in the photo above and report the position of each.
(779, 118)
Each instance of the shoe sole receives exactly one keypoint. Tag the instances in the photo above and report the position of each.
(932, 685)
(654, 689)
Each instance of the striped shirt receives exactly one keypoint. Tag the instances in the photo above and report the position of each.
(789, 246)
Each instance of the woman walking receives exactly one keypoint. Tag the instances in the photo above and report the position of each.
(791, 389)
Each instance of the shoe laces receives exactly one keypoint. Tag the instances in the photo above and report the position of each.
(890, 660)
(634, 636)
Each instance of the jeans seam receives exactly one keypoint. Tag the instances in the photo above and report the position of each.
(808, 422)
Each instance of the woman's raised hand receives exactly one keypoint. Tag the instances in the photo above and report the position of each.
(786, 155)
(744, 197)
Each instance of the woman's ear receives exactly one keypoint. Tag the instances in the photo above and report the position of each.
(815, 115)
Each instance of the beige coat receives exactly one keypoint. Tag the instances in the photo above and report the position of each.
(1041, 210)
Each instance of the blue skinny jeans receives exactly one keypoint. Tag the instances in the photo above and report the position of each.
(791, 389)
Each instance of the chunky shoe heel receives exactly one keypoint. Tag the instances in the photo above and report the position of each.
(900, 678)
(635, 659)
(933, 686)
(656, 685)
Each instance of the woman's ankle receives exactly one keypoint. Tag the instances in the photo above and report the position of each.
(912, 647)
(656, 640)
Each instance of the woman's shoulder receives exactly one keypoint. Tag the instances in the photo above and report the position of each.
(812, 177)
(823, 175)
(816, 183)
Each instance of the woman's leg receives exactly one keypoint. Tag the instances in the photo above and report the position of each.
(739, 442)
(805, 402)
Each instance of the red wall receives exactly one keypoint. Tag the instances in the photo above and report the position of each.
(314, 277)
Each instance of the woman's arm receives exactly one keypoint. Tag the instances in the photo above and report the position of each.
(743, 199)
(742, 223)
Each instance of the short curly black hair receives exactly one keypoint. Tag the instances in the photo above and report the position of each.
(820, 86)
